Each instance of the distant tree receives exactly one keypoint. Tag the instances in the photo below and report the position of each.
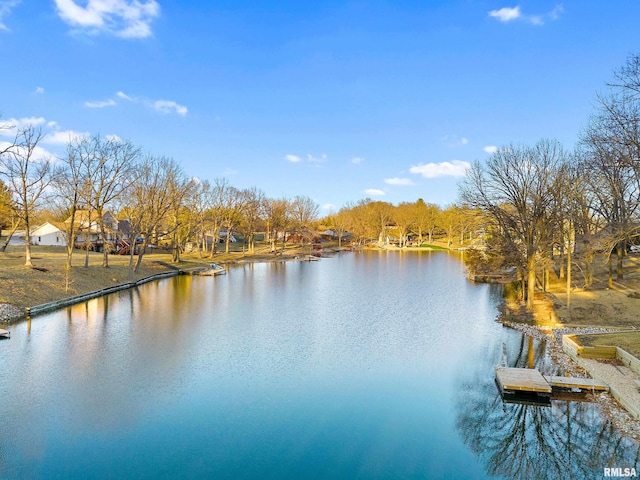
(27, 175)
(358, 223)
(379, 216)
(304, 211)
(278, 219)
(404, 218)
(149, 200)
(253, 212)
(339, 223)
(179, 219)
(229, 205)
(426, 219)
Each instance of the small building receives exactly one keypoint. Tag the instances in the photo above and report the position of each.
(48, 234)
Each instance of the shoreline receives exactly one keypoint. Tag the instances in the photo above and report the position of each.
(609, 406)
(10, 313)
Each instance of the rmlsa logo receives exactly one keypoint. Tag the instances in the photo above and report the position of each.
(619, 472)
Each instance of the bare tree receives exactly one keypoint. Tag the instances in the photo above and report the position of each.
(515, 188)
(109, 165)
(71, 187)
(426, 219)
(253, 212)
(339, 223)
(304, 211)
(611, 144)
(158, 188)
(28, 175)
(278, 218)
(404, 219)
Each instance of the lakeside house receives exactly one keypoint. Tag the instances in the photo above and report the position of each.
(49, 234)
(88, 230)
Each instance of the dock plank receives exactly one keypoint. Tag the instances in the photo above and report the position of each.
(522, 380)
(574, 382)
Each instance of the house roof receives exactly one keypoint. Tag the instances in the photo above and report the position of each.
(88, 217)
(46, 228)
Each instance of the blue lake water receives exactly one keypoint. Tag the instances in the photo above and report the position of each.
(365, 365)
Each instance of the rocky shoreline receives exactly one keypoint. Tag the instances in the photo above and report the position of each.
(621, 419)
(9, 313)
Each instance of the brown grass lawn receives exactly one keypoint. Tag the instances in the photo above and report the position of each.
(25, 287)
(599, 305)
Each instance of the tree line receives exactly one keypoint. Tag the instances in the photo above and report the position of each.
(534, 208)
(153, 193)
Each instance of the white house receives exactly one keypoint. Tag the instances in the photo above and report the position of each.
(48, 234)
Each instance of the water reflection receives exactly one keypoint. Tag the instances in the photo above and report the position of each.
(571, 439)
(365, 365)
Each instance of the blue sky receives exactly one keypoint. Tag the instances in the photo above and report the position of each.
(336, 100)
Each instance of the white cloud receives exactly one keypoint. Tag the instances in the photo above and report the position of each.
(455, 168)
(455, 140)
(374, 192)
(320, 159)
(508, 14)
(39, 91)
(555, 13)
(229, 171)
(113, 138)
(52, 134)
(167, 106)
(100, 103)
(490, 149)
(123, 18)
(63, 137)
(399, 181)
(328, 207)
(124, 96)
(9, 128)
(292, 158)
(357, 160)
(5, 9)
(162, 106)
(37, 154)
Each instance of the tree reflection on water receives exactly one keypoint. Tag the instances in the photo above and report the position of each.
(569, 439)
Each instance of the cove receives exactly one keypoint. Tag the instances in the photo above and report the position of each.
(365, 365)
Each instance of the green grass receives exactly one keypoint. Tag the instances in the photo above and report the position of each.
(432, 247)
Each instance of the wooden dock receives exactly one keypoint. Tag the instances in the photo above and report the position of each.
(530, 383)
(574, 382)
(521, 380)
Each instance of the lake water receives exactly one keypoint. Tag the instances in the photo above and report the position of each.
(365, 365)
